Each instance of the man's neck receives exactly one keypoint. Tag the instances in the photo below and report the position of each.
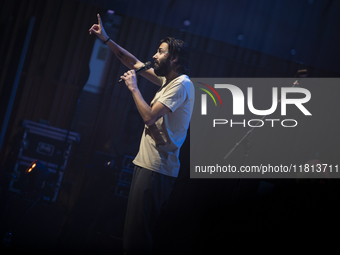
(171, 75)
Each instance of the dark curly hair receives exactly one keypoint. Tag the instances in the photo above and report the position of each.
(178, 48)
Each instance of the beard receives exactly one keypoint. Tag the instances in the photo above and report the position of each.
(163, 67)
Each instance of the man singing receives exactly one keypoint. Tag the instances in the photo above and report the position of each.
(166, 123)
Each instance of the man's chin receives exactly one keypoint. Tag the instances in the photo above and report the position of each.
(158, 72)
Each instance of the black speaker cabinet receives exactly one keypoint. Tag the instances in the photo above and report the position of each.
(49, 145)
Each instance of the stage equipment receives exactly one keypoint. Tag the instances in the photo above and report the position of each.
(125, 177)
(42, 159)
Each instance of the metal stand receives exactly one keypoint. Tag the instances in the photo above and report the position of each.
(296, 83)
(247, 143)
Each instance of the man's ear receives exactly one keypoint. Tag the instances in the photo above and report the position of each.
(173, 60)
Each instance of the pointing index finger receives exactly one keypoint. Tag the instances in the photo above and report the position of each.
(99, 20)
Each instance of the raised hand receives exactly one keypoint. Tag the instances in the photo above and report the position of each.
(98, 30)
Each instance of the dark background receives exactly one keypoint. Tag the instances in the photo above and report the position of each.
(227, 39)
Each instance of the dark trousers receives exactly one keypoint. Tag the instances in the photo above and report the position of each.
(149, 191)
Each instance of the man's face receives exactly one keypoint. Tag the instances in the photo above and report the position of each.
(162, 65)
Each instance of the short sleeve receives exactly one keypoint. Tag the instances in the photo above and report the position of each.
(174, 96)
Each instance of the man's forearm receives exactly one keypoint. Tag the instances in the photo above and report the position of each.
(143, 108)
(129, 60)
(124, 56)
(148, 114)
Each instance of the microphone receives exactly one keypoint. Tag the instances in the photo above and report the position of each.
(143, 68)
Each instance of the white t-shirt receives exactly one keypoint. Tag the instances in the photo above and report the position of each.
(161, 142)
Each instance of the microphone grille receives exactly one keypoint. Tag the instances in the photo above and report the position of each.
(147, 65)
